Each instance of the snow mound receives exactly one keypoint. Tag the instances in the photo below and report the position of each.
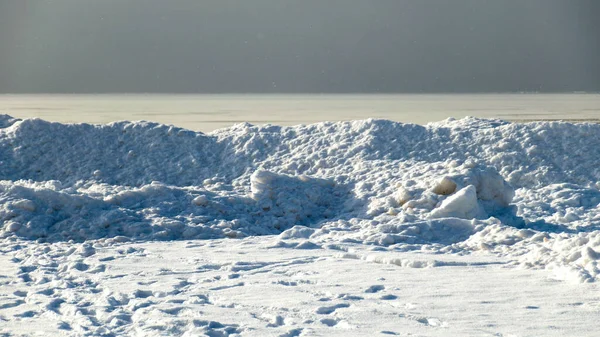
(455, 185)
(296, 200)
(485, 193)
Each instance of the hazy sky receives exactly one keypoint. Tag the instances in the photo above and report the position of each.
(79, 46)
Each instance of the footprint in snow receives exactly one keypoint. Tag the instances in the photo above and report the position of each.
(375, 288)
(139, 293)
(330, 321)
(388, 297)
(64, 326)
(172, 311)
(292, 333)
(213, 328)
(27, 314)
(26, 277)
(20, 293)
(101, 268)
(79, 266)
(240, 284)
(11, 304)
(55, 304)
(27, 269)
(181, 284)
(47, 292)
(348, 297)
(338, 323)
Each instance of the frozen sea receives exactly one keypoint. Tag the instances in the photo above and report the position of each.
(209, 112)
(422, 223)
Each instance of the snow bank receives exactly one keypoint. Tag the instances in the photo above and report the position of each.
(455, 185)
(296, 200)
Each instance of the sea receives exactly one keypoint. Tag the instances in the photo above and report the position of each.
(210, 112)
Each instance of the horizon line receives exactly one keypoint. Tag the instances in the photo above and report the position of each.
(580, 92)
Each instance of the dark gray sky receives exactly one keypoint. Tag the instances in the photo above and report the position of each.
(221, 46)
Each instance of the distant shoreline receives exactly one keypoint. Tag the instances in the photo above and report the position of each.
(206, 112)
(303, 94)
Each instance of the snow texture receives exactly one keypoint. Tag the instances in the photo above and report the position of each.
(346, 180)
(525, 193)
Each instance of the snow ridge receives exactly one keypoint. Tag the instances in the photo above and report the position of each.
(524, 191)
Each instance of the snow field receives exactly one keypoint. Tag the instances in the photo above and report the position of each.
(139, 228)
(252, 287)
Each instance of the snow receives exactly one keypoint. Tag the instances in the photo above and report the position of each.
(139, 228)
(462, 204)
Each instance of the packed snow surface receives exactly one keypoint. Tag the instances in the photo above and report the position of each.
(527, 194)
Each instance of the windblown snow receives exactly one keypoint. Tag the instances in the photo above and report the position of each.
(526, 193)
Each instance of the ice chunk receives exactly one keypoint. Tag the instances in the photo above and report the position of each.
(492, 187)
(445, 186)
(463, 204)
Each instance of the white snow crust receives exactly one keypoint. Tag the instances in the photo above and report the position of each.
(527, 194)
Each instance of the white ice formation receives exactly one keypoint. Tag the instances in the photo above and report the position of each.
(529, 192)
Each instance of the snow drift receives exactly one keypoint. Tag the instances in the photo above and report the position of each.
(527, 191)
